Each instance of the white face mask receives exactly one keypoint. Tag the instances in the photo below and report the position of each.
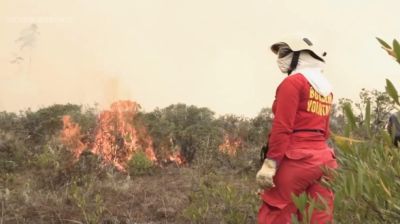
(284, 63)
(305, 61)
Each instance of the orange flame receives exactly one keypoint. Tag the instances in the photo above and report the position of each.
(230, 146)
(116, 139)
(71, 136)
(177, 158)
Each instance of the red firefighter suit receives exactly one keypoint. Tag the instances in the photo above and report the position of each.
(297, 143)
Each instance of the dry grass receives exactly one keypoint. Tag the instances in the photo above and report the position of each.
(161, 196)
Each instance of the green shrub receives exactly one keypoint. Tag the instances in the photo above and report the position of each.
(139, 164)
(14, 155)
(88, 200)
(45, 123)
(48, 159)
(307, 206)
(367, 183)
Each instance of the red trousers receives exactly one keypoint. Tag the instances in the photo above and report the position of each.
(296, 174)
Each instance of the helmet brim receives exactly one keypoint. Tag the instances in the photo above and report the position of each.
(275, 47)
(299, 46)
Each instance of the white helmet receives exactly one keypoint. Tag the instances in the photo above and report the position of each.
(300, 44)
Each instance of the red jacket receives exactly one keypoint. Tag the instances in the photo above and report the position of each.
(301, 120)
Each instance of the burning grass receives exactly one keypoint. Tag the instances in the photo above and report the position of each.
(116, 138)
(231, 145)
(119, 166)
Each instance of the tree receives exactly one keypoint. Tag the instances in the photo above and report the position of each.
(371, 113)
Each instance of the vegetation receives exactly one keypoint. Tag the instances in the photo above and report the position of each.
(42, 182)
(139, 164)
(368, 182)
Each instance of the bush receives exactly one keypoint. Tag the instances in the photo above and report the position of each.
(367, 185)
(88, 200)
(368, 182)
(190, 130)
(47, 159)
(139, 164)
(42, 125)
(14, 155)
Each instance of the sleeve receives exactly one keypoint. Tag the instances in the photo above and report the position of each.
(286, 103)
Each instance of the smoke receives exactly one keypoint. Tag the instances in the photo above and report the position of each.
(62, 72)
(22, 92)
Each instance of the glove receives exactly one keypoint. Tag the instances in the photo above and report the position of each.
(265, 175)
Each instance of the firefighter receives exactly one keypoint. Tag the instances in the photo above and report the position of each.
(297, 148)
(393, 127)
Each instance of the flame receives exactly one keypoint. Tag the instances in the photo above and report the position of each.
(115, 138)
(149, 150)
(71, 136)
(177, 158)
(230, 145)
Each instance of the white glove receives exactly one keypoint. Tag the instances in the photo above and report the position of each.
(265, 175)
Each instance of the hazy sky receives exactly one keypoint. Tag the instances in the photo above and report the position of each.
(210, 53)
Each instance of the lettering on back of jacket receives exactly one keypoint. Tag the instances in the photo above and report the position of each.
(318, 104)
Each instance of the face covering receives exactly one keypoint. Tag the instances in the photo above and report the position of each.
(308, 61)
(305, 61)
(311, 69)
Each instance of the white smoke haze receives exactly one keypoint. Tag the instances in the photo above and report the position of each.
(206, 53)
